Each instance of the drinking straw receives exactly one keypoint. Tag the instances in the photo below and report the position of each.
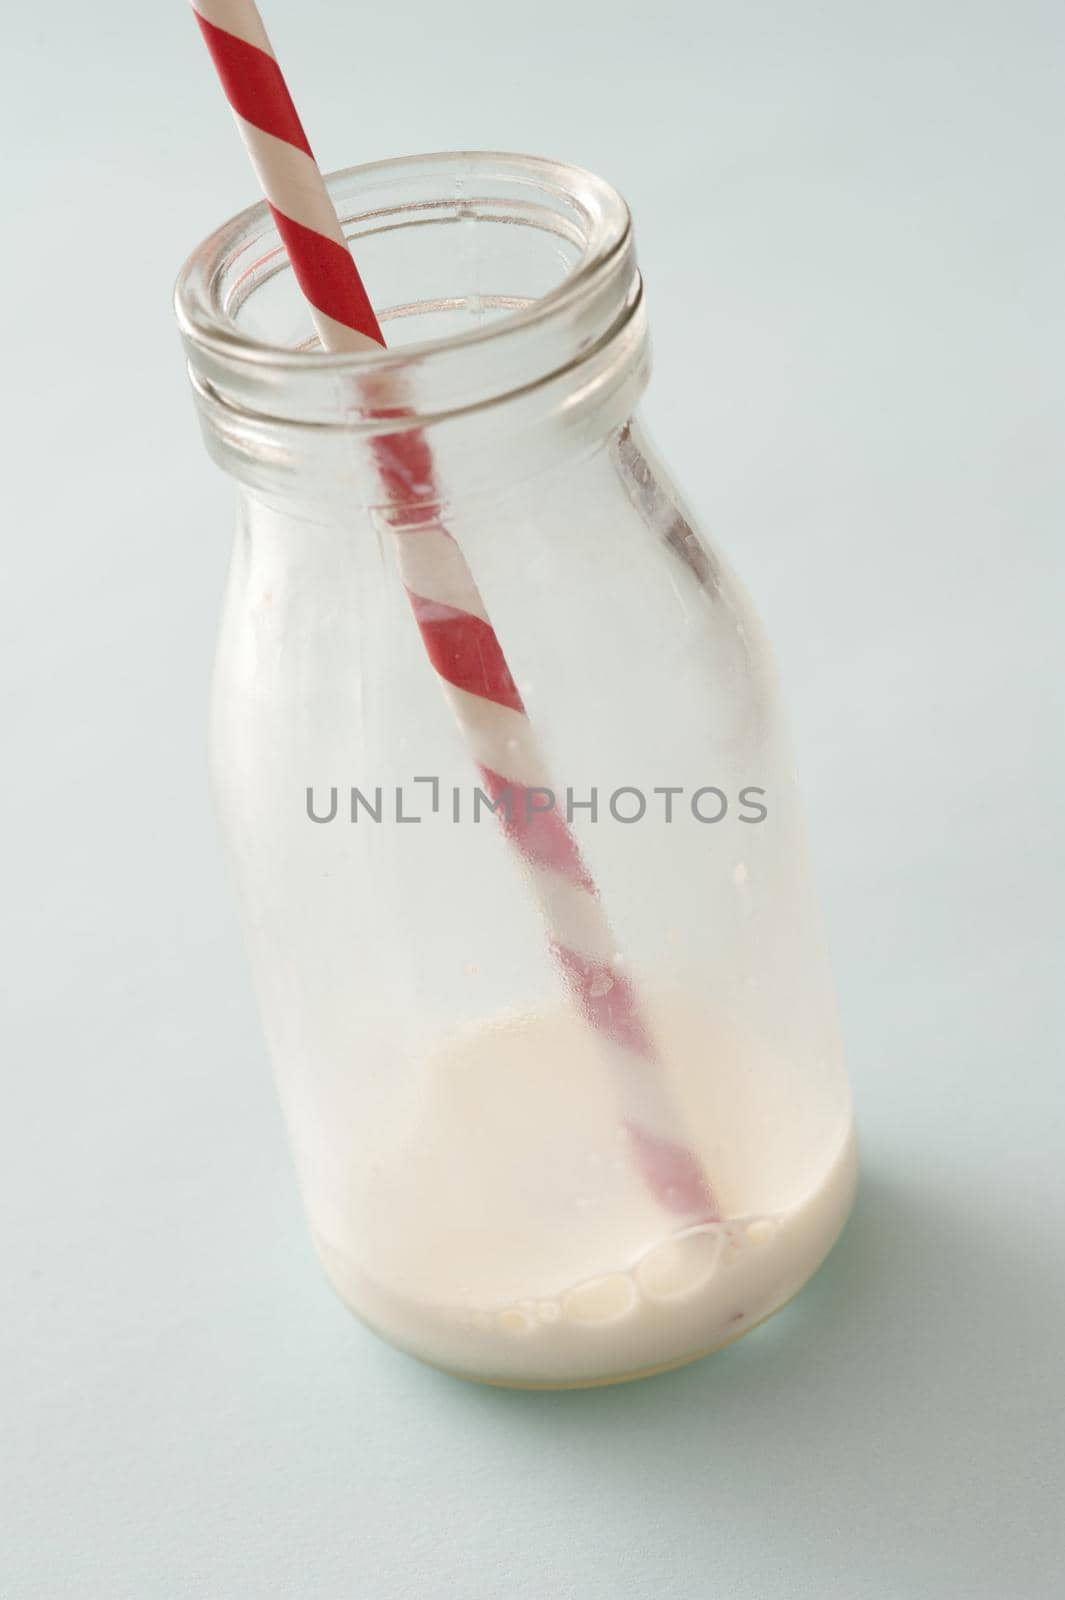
(457, 633)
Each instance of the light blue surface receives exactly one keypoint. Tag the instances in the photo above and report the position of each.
(853, 260)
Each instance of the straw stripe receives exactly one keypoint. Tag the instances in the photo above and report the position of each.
(333, 335)
(606, 998)
(456, 631)
(254, 86)
(672, 1172)
(464, 650)
(294, 173)
(238, 18)
(572, 909)
(327, 275)
(435, 569)
(498, 737)
(542, 836)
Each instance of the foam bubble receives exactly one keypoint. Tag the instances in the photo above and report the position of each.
(761, 1230)
(680, 1266)
(514, 1321)
(601, 1299)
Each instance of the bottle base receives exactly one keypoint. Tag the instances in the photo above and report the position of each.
(709, 1287)
(615, 1380)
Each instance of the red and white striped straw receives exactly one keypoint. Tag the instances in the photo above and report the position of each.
(456, 630)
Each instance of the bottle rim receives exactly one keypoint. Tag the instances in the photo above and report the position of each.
(526, 345)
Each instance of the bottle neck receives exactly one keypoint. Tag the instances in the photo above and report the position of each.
(508, 291)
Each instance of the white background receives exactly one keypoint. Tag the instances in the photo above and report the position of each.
(849, 219)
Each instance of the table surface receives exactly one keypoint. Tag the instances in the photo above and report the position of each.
(848, 225)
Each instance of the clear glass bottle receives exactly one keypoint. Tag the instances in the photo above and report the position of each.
(464, 1112)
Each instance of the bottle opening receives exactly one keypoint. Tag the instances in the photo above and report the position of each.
(489, 273)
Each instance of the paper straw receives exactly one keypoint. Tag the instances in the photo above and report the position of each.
(456, 630)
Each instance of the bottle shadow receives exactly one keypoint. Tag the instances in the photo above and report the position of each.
(889, 1402)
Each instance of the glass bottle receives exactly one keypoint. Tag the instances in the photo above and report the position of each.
(478, 1114)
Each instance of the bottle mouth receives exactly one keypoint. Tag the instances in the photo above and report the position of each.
(490, 274)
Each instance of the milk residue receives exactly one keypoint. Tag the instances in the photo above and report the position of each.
(503, 1233)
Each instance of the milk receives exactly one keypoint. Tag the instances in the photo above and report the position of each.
(503, 1232)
